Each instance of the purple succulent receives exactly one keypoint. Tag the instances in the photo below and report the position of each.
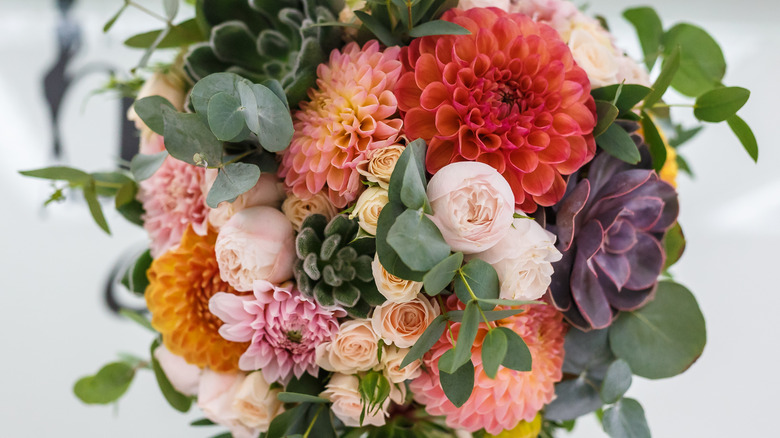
(610, 226)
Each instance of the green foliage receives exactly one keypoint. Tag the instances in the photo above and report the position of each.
(143, 166)
(458, 385)
(668, 73)
(617, 380)
(654, 142)
(494, 350)
(618, 143)
(426, 341)
(477, 280)
(397, 22)
(573, 398)
(441, 275)
(745, 135)
(670, 329)
(626, 419)
(134, 278)
(702, 65)
(305, 419)
(107, 386)
(177, 400)
(720, 104)
(292, 397)
(138, 318)
(606, 113)
(518, 356)
(183, 34)
(417, 241)
(232, 180)
(374, 389)
(674, 245)
(649, 29)
(623, 96)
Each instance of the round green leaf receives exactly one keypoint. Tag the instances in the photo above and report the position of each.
(674, 245)
(110, 383)
(149, 109)
(494, 349)
(616, 381)
(232, 180)
(417, 241)
(626, 420)
(573, 398)
(442, 274)
(616, 141)
(719, 104)
(745, 135)
(457, 386)
(225, 115)
(480, 278)
(144, 166)
(702, 65)
(276, 127)
(177, 400)
(466, 336)
(670, 330)
(425, 342)
(518, 356)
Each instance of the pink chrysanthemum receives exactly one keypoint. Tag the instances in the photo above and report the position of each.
(284, 327)
(349, 113)
(173, 199)
(501, 403)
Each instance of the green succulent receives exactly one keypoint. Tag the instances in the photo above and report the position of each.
(261, 40)
(334, 266)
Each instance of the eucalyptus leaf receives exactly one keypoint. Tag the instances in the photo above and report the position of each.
(650, 31)
(389, 259)
(720, 104)
(60, 173)
(149, 109)
(137, 280)
(490, 315)
(674, 245)
(204, 89)
(441, 275)
(143, 166)
(127, 205)
(110, 23)
(187, 138)
(292, 397)
(225, 116)
(480, 279)
(745, 135)
(494, 350)
(378, 29)
(518, 356)
(624, 96)
(616, 142)
(107, 386)
(573, 399)
(438, 27)
(426, 341)
(626, 419)
(654, 141)
(458, 386)
(413, 188)
(90, 195)
(466, 336)
(182, 34)
(616, 381)
(670, 328)
(275, 123)
(177, 400)
(232, 180)
(417, 241)
(606, 113)
(668, 73)
(702, 65)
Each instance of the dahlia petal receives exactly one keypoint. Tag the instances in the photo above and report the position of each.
(420, 123)
(447, 121)
(407, 92)
(524, 160)
(426, 71)
(434, 95)
(554, 194)
(439, 154)
(647, 259)
(540, 180)
(557, 151)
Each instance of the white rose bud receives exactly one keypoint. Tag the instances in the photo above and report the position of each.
(297, 209)
(594, 52)
(256, 403)
(391, 287)
(354, 348)
(380, 164)
(368, 207)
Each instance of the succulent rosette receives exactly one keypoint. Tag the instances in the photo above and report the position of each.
(610, 227)
(509, 94)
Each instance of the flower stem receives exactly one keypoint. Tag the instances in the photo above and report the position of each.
(311, 425)
(476, 300)
(147, 11)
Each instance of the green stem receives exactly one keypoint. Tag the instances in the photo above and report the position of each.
(476, 300)
(311, 425)
(409, 9)
(673, 105)
(109, 184)
(145, 10)
(238, 158)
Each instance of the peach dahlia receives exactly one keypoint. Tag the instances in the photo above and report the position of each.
(351, 111)
(509, 95)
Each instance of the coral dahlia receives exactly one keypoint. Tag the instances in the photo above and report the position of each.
(350, 112)
(509, 95)
(181, 282)
(499, 404)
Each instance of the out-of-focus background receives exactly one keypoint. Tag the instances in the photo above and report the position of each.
(54, 262)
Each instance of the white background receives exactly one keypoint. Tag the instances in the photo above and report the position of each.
(53, 263)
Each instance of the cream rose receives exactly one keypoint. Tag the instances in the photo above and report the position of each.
(353, 349)
(256, 403)
(523, 260)
(184, 376)
(268, 191)
(380, 164)
(256, 244)
(216, 395)
(403, 323)
(393, 288)
(297, 209)
(391, 361)
(171, 86)
(473, 205)
(632, 73)
(368, 207)
(342, 391)
(593, 50)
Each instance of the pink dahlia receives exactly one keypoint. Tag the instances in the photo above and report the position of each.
(350, 112)
(499, 404)
(284, 327)
(509, 95)
(173, 199)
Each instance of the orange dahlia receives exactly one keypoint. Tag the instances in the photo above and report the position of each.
(351, 112)
(499, 404)
(181, 282)
(509, 95)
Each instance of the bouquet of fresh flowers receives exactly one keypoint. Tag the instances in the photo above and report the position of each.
(409, 218)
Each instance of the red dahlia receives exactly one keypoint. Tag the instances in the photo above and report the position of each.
(509, 95)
